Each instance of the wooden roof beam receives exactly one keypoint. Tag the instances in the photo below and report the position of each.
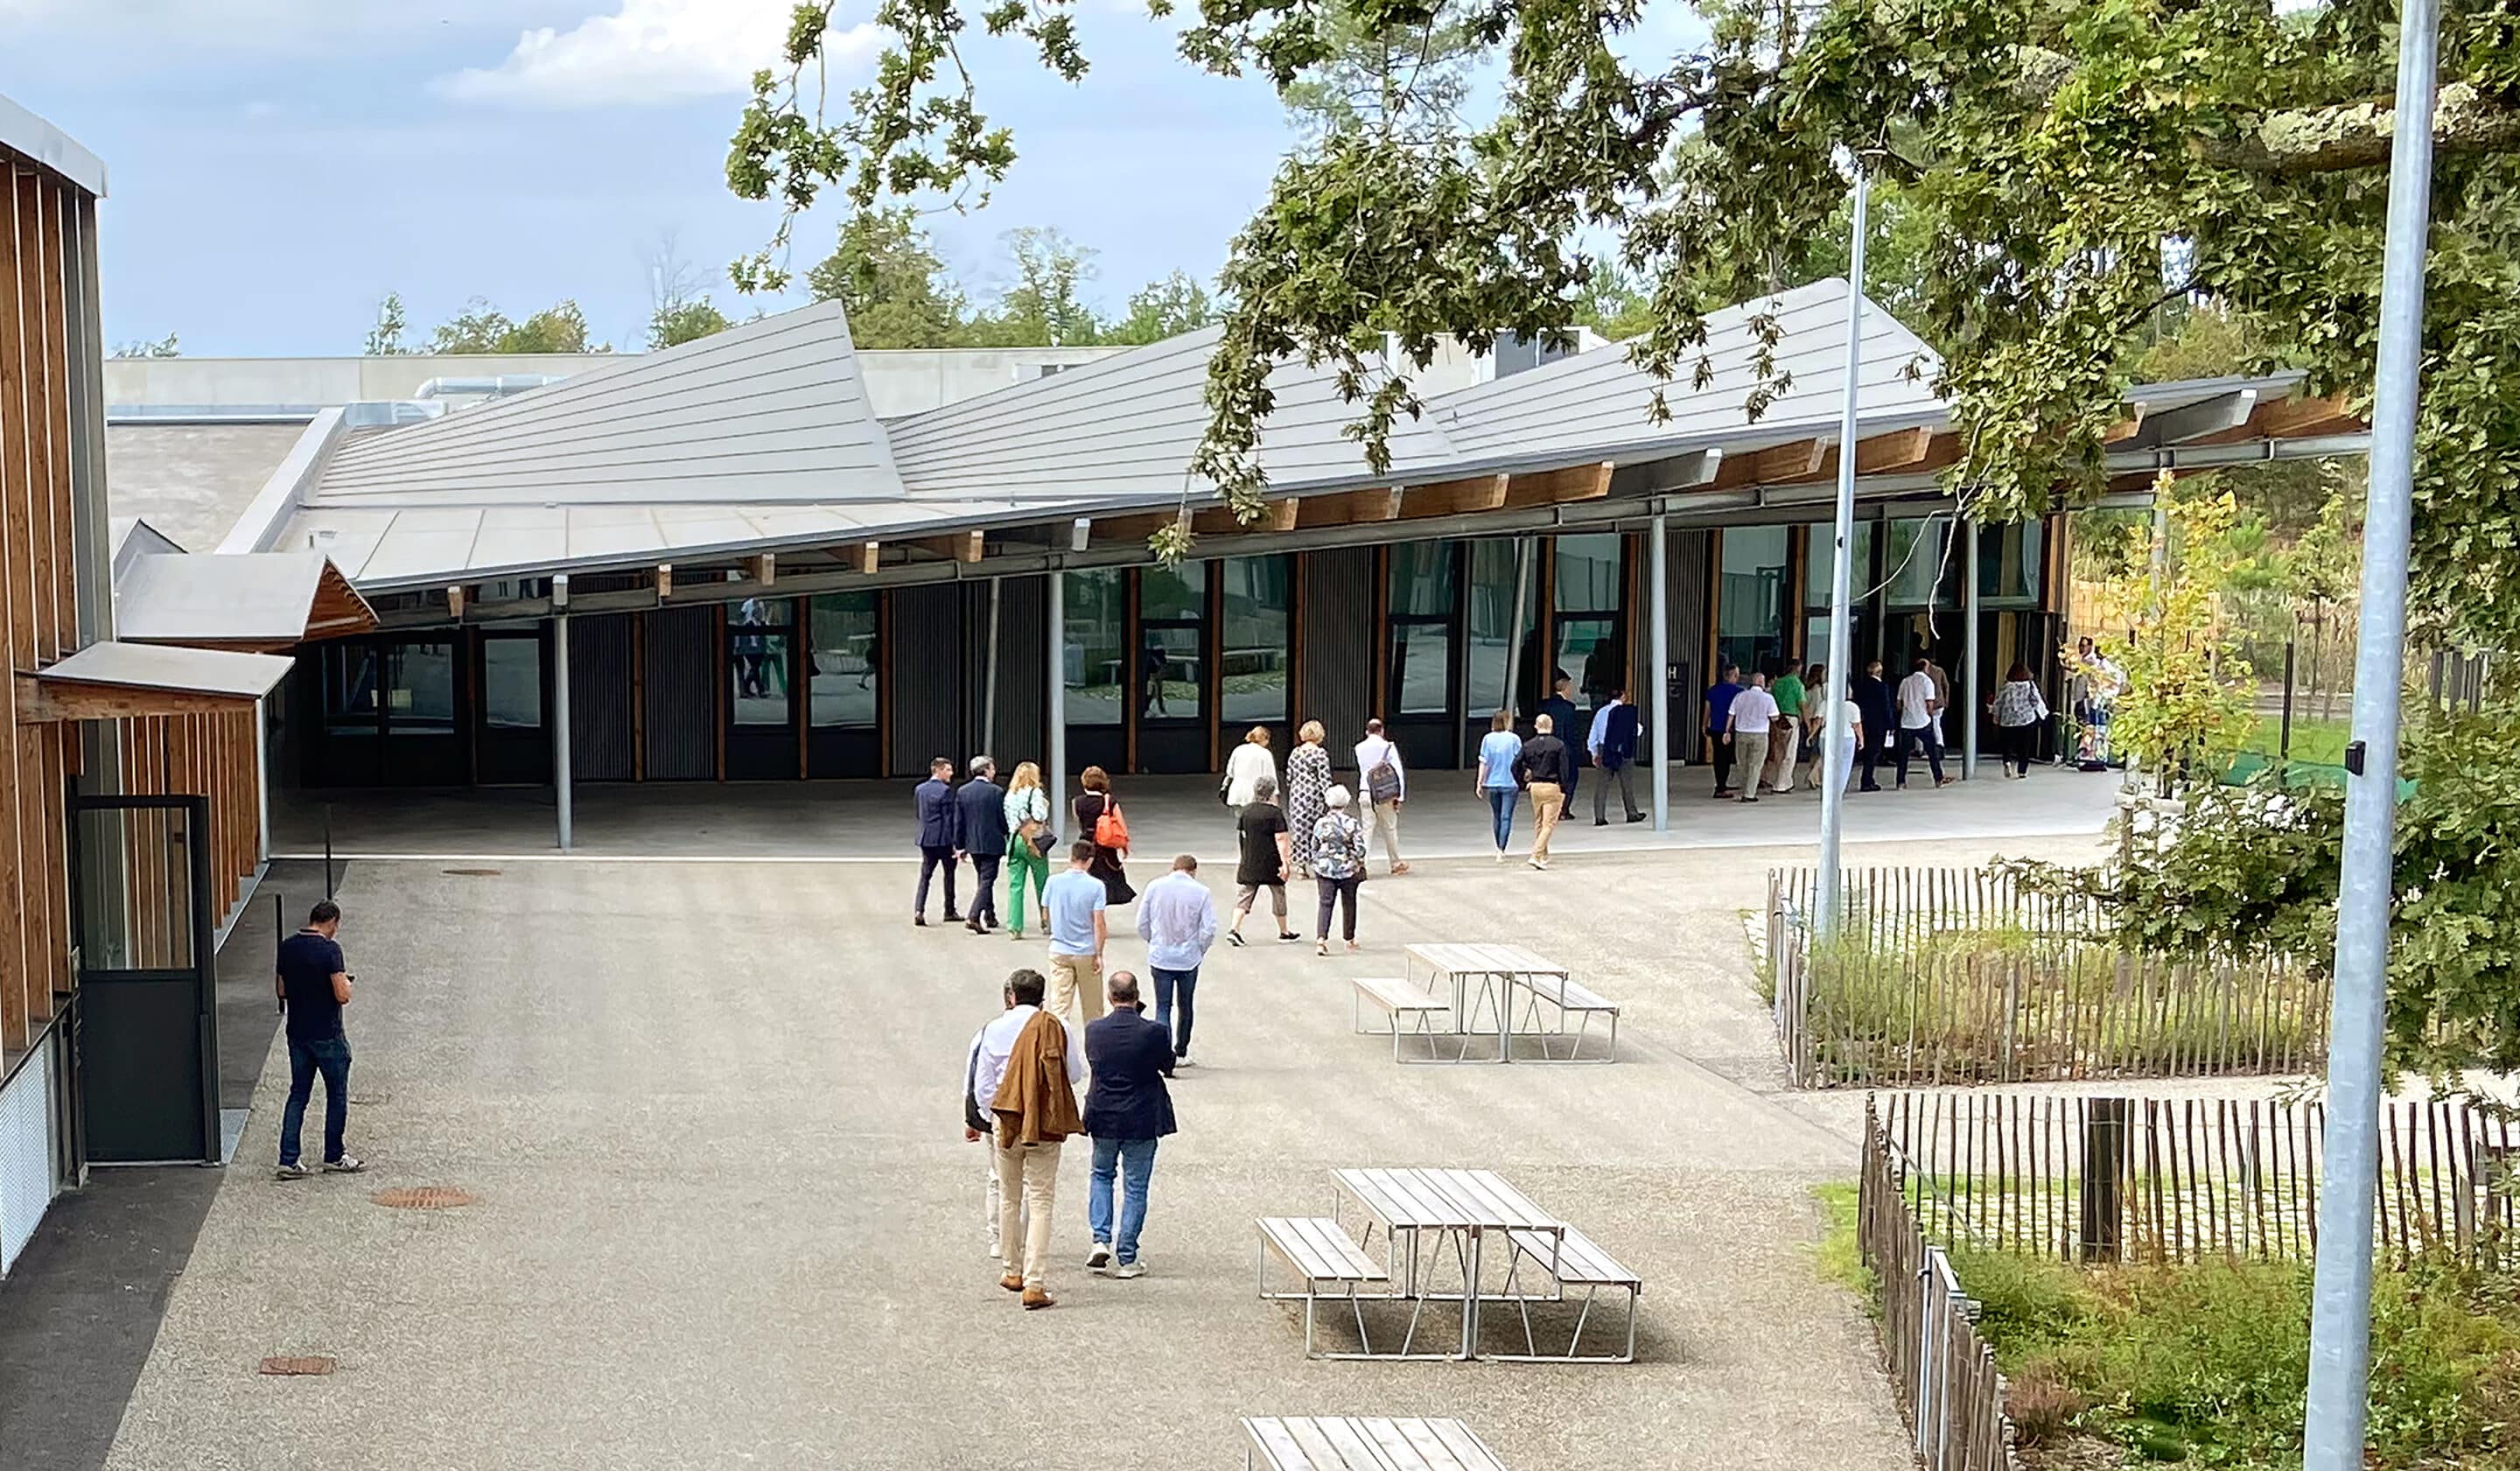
(455, 603)
(665, 581)
(763, 568)
(1555, 487)
(956, 546)
(870, 555)
(1456, 496)
(1352, 507)
(1218, 521)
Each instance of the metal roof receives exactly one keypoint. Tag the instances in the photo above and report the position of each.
(772, 410)
(160, 666)
(22, 132)
(1125, 428)
(275, 598)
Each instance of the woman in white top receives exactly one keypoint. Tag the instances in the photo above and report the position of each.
(1244, 769)
(2019, 710)
(1028, 809)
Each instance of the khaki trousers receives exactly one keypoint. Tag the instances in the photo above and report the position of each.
(1071, 978)
(1027, 1197)
(1547, 805)
(1750, 754)
(1386, 820)
(1782, 747)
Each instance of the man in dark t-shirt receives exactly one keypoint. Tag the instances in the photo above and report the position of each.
(1261, 838)
(313, 987)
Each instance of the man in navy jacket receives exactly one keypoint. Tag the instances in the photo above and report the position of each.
(940, 837)
(1126, 1111)
(1613, 743)
(980, 813)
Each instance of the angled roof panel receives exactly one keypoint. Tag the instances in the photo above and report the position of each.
(1598, 401)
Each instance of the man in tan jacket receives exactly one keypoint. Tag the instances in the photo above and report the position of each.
(1025, 1078)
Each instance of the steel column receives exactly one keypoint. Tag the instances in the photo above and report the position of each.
(1055, 622)
(1841, 584)
(1968, 650)
(561, 785)
(1658, 680)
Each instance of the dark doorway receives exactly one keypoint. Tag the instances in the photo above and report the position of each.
(512, 746)
(148, 1026)
(762, 704)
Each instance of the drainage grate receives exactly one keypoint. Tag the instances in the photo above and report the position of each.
(299, 1366)
(423, 1198)
(471, 873)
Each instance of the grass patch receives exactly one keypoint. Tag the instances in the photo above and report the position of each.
(1840, 1255)
(2206, 1364)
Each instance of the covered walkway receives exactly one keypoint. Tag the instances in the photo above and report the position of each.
(860, 820)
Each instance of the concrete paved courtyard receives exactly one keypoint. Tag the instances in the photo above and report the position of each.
(725, 1216)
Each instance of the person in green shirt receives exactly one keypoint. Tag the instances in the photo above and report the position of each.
(1788, 692)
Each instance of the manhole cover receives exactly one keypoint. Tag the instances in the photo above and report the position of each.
(299, 1366)
(471, 873)
(423, 1198)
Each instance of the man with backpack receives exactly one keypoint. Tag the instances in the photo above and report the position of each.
(1386, 786)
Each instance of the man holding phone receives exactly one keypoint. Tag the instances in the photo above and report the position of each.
(313, 987)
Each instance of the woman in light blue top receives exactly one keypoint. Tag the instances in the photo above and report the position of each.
(1498, 754)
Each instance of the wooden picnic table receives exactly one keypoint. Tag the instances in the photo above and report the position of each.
(1460, 1206)
(1365, 1443)
(1496, 969)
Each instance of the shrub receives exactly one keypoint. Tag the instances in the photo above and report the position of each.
(2043, 1406)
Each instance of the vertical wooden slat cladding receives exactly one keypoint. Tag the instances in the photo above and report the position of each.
(599, 696)
(681, 714)
(1339, 639)
(62, 620)
(929, 672)
(1024, 672)
(16, 481)
(38, 204)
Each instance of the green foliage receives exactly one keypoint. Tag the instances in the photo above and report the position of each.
(2253, 870)
(1401, 75)
(1612, 303)
(887, 272)
(1044, 307)
(384, 339)
(2047, 152)
(2207, 1363)
(483, 328)
(1840, 1253)
(678, 322)
(164, 347)
(1165, 308)
(2189, 693)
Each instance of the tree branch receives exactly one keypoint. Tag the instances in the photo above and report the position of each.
(2357, 135)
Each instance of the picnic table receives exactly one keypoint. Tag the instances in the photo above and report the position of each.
(1494, 970)
(1454, 1210)
(1364, 1443)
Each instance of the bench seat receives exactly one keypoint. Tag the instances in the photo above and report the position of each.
(1318, 1250)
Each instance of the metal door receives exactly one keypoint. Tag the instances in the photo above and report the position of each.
(148, 1026)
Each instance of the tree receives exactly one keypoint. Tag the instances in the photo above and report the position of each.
(1162, 309)
(2049, 153)
(481, 328)
(1409, 77)
(2188, 693)
(384, 339)
(1612, 304)
(1045, 306)
(679, 311)
(686, 322)
(164, 347)
(886, 273)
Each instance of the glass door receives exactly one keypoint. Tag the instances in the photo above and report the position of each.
(761, 743)
(512, 746)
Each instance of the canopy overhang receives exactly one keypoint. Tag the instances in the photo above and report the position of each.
(264, 600)
(118, 680)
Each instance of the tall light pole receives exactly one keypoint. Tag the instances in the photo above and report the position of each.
(2340, 1311)
(1841, 583)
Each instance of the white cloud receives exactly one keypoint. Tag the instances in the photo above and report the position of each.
(647, 51)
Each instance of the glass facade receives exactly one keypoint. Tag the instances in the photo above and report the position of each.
(420, 689)
(1172, 618)
(1094, 657)
(756, 664)
(1422, 596)
(1823, 562)
(1495, 622)
(1750, 596)
(1259, 612)
(2009, 563)
(1589, 595)
(352, 691)
(512, 680)
(846, 663)
(1915, 573)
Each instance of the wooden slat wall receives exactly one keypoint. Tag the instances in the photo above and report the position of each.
(40, 577)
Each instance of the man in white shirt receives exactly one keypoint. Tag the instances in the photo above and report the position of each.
(1384, 786)
(1920, 708)
(1177, 918)
(1027, 1174)
(1747, 725)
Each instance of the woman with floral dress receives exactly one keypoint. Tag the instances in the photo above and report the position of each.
(1308, 784)
(1338, 867)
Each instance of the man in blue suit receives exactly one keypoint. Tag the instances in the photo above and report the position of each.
(940, 837)
(1613, 743)
(980, 813)
(1127, 1110)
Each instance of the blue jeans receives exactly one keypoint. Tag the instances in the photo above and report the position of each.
(1135, 1161)
(1501, 800)
(332, 1058)
(1165, 982)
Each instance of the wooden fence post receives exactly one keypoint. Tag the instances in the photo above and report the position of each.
(2104, 1142)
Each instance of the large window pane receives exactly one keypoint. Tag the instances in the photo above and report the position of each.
(1168, 668)
(1750, 606)
(1421, 662)
(1824, 558)
(1495, 574)
(1421, 578)
(1915, 553)
(1094, 655)
(1175, 592)
(511, 683)
(350, 689)
(2008, 563)
(843, 661)
(1588, 573)
(756, 662)
(1259, 606)
(419, 698)
(1587, 648)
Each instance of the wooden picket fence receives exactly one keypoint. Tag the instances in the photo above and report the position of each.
(2182, 1179)
(1950, 1388)
(1951, 976)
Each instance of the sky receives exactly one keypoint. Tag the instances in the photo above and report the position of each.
(275, 166)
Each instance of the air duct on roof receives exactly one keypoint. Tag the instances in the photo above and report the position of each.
(498, 386)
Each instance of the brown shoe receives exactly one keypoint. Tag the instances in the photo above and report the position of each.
(1035, 1296)
(1013, 1281)
(1399, 868)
